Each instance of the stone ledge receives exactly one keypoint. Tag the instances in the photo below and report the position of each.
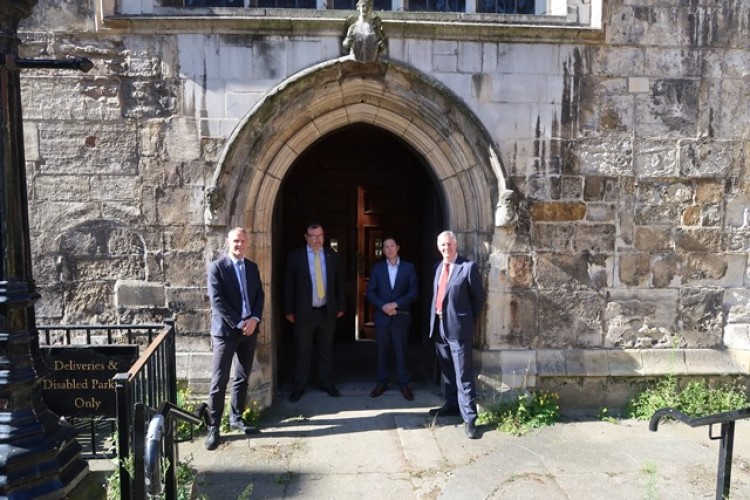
(398, 24)
(589, 380)
(515, 368)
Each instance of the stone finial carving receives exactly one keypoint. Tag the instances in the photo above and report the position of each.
(506, 211)
(214, 202)
(365, 38)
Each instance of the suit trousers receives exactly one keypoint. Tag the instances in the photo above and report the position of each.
(456, 373)
(241, 348)
(395, 336)
(321, 325)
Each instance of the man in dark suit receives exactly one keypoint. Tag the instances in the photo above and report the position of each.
(236, 294)
(456, 303)
(313, 299)
(391, 290)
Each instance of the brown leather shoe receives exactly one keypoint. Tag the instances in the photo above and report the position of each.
(379, 389)
(408, 395)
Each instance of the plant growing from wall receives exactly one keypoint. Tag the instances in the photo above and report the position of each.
(527, 411)
(251, 416)
(697, 398)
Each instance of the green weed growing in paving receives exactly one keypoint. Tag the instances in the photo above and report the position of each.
(527, 411)
(649, 471)
(246, 493)
(285, 478)
(605, 416)
(696, 399)
(296, 418)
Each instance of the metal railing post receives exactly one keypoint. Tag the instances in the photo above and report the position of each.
(122, 389)
(724, 471)
(170, 451)
(139, 450)
(172, 365)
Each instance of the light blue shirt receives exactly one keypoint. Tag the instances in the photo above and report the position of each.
(393, 271)
(316, 302)
(246, 313)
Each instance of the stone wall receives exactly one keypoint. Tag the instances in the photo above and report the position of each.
(628, 147)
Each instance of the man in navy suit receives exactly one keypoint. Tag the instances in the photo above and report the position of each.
(456, 303)
(391, 290)
(236, 294)
(313, 299)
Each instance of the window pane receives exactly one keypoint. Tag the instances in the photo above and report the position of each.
(287, 4)
(352, 4)
(506, 6)
(436, 5)
(214, 3)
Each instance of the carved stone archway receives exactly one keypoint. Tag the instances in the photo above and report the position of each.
(387, 94)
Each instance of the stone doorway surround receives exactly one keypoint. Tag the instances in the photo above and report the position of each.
(426, 115)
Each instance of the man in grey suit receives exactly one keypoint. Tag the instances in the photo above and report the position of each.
(313, 299)
(236, 294)
(391, 290)
(456, 303)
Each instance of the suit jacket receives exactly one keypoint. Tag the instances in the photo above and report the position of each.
(226, 296)
(298, 284)
(404, 292)
(464, 298)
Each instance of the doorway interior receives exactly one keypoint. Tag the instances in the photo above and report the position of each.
(361, 184)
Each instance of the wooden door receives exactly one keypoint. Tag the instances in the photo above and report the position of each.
(374, 216)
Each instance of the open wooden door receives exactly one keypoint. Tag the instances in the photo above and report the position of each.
(373, 220)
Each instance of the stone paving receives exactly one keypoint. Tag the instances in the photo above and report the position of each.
(359, 447)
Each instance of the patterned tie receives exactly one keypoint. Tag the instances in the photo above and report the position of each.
(320, 288)
(442, 284)
(242, 279)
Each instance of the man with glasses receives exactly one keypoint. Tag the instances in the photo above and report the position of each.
(313, 299)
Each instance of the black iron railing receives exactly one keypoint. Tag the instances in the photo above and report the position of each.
(160, 443)
(725, 436)
(94, 433)
(149, 383)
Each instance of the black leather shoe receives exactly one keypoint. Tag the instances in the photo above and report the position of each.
(296, 394)
(445, 411)
(379, 390)
(244, 428)
(471, 430)
(212, 440)
(406, 391)
(331, 390)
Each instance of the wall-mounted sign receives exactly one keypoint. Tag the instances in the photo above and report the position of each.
(79, 382)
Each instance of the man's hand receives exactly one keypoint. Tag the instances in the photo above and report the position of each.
(290, 318)
(250, 326)
(391, 308)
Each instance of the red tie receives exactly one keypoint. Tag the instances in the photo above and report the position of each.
(442, 284)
